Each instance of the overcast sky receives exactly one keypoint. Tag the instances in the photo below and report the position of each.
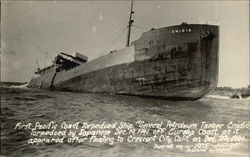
(29, 29)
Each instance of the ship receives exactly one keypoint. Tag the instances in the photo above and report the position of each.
(173, 62)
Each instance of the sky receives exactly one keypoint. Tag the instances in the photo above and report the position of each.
(32, 29)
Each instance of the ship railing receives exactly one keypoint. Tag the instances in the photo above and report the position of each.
(45, 70)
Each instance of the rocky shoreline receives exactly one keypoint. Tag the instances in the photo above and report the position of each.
(243, 93)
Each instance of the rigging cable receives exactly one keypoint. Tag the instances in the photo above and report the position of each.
(45, 64)
(51, 58)
(116, 39)
(139, 27)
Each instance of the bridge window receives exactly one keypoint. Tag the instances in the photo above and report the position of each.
(151, 43)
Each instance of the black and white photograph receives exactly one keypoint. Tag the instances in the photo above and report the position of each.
(131, 78)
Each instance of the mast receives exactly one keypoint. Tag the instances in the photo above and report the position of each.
(130, 23)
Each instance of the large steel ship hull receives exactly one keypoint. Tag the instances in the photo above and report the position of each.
(172, 62)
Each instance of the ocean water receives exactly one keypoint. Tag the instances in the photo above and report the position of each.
(30, 105)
